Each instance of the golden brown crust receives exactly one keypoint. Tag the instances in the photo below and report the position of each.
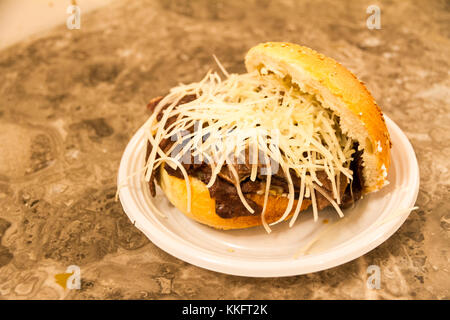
(338, 89)
(203, 207)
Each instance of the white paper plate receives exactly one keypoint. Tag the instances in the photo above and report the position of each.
(304, 248)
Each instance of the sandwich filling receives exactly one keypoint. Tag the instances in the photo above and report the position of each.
(253, 133)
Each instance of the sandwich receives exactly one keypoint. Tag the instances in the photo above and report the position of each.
(297, 131)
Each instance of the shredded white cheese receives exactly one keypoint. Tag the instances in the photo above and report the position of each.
(379, 148)
(261, 113)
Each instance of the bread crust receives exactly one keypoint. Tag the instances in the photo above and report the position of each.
(338, 89)
(203, 207)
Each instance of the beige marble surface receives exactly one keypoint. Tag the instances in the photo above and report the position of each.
(71, 99)
(22, 18)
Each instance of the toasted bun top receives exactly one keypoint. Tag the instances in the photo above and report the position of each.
(337, 89)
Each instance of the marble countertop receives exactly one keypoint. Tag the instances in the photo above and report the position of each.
(71, 99)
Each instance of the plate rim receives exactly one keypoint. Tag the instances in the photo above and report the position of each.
(180, 248)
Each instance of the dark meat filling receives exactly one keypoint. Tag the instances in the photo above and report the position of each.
(228, 203)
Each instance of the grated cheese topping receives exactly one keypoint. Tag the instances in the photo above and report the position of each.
(264, 115)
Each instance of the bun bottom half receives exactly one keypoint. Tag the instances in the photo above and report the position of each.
(203, 207)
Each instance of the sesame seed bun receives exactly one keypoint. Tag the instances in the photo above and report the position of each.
(337, 89)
